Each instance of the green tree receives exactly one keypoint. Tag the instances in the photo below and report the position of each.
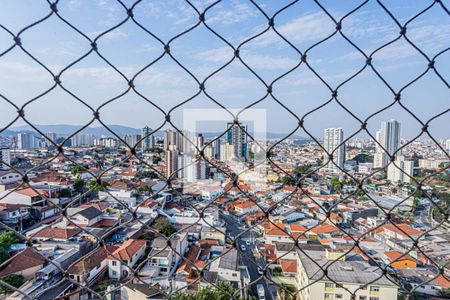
(147, 174)
(7, 238)
(299, 172)
(224, 292)
(336, 184)
(78, 184)
(99, 164)
(13, 280)
(156, 160)
(77, 169)
(146, 189)
(98, 186)
(164, 227)
(4, 256)
(156, 150)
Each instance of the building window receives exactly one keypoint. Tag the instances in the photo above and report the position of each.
(328, 296)
(338, 296)
(373, 298)
(114, 273)
(329, 285)
(362, 298)
(114, 263)
(374, 288)
(234, 275)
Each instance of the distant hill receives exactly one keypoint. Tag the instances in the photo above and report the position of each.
(64, 129)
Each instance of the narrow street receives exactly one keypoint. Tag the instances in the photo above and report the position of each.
(248, 257)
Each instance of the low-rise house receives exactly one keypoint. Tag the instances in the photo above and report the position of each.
(228, 269)
(132, 291)
(8, 177)
(424, 282)
(83, 217)
(91, 267)
(284, 234)
(211, 193)
(247, 207)
(400, 232)
(24, 196)
(25, 263)
(55, 234)
(162, 258)
(124, 258)
(399, 260)
(14, 215)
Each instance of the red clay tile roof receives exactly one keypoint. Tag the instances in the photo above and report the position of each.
(28, 192)
(288, 265)
(295, 227)
(128, 249)
(190, 256)
(269, 247)
(275, 231)
(57, 233)
(442, 281)
(393, 255)
(207, 243)
(222, 199)
(404, 228)
(23, 261)
(245, 204)
(105, 223)
(93, 260)
(324, 229)
(97, 206)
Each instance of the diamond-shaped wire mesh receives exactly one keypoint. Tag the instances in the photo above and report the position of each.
(187, 275)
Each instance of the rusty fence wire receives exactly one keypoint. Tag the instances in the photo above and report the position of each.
(323, 272)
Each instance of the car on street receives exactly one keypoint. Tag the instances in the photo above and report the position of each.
(247, 242)
(243, 248)
(260, 271)
(261, 292)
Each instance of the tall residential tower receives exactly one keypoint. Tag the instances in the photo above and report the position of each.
(333, 141)
(388, 138)
(237, 137)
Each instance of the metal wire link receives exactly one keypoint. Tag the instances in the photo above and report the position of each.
(271, 94)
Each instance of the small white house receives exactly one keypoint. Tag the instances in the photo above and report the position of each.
(124, 258)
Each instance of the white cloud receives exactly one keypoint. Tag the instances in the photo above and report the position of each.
(310, 27)
(260, 61)
(238, 12)
(115, 34)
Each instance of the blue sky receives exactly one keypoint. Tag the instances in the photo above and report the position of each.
(130, 49)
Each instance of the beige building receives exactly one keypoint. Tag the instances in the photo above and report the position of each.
(343, 275)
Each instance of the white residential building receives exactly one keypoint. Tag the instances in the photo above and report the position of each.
(333, 142)
(400, 171)
(121, 262)
(388, 138)
(5, 158)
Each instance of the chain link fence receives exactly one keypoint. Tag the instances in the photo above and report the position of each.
(60, 278)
